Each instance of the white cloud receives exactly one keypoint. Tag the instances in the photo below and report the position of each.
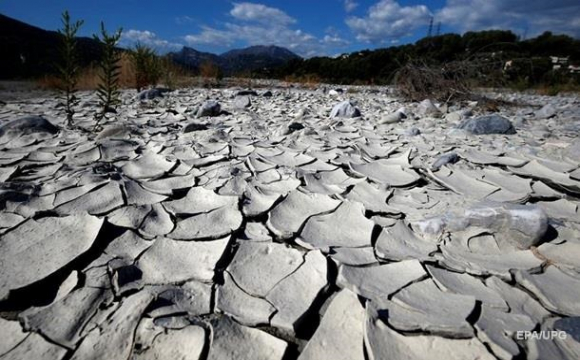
(182, 20)
(260, 13)
(350, 5)
(535, 16)
(387, 20)
(257, 24)
(209, 35)
(132, 37)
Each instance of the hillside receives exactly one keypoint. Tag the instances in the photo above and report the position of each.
(28, 51)
(253, 58)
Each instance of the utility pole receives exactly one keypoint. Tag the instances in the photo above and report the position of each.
(430, 31)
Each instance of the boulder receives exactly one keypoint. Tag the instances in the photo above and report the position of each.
(345, 109)
(488, 124)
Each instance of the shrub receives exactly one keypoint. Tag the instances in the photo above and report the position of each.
(210, 73)
(110, 71)
(68, 69)
(147, 66)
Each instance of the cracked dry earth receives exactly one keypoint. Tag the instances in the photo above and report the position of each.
(274, 230)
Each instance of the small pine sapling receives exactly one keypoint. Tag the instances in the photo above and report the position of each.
(110, 71)
(68, 69)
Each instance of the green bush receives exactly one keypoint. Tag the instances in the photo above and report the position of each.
(68, 69)
(110, 70)
(148, 67)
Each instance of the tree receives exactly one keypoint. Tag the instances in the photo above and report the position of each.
(68, 70)
(108, 88)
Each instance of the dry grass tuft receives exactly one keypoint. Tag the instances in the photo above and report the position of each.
(417, 82)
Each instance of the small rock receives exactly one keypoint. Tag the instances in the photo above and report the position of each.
(449, 158)
(242, 102)
(546, 112)
(427, 108)
(345, 109)
(395, 117)
(150, 94)
(246, 93)
(194, 126)
(412, 131)
(209, 108)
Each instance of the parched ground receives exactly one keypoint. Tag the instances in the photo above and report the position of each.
(273, 230)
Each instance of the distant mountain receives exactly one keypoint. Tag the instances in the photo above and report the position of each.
(28, 51)
(191, 59)
(236, 61)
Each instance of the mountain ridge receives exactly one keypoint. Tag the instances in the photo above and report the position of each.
(256, 57)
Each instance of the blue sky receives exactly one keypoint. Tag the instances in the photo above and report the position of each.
(308, 27)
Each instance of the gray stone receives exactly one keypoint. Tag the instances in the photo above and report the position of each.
(488, 124)
(209, 108)
(449, 158)
(413, 131)
(345, 109)
(546, 112)
(150, 94)
(194, 126)
(427, 108)
(242, 102)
